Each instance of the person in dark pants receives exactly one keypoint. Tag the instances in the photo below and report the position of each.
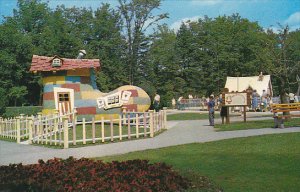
(223, 112)
(211, 111)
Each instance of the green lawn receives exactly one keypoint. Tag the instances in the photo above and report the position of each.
(262, 163)
(107, 134)
(258, 124)
(193, 116)
(189, 116)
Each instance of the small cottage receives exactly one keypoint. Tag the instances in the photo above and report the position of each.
(258, 83)
(71, 83)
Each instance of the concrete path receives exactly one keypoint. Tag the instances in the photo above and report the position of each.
(179, 132)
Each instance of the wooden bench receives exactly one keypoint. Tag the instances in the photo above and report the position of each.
(279, 109)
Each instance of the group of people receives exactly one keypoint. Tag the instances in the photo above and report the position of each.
(260, 103)
(263, 102)
(211, 109)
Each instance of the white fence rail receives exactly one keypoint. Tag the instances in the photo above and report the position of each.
(65, 130)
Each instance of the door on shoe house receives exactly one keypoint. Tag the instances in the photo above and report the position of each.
(64, 104)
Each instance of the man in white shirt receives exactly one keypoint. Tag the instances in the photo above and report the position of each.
(156, 102)
(292, 97)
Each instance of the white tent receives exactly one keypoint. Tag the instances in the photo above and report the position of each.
(258, 83)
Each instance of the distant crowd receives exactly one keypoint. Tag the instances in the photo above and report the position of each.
(258, 102)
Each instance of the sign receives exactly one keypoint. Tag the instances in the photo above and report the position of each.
(236, 99)
(114, 100)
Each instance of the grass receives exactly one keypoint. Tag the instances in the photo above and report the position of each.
(193, 116)
(258, 124)
(261, 163)
(189, 116)
(107, 133)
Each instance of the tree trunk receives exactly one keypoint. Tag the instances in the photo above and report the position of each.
(283, 96)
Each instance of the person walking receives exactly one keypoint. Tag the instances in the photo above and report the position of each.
(254, 100)
(211, 110)
(223, 111)
(156, 102)
(173, 103)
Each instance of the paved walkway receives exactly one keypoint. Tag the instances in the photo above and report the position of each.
(180, 132)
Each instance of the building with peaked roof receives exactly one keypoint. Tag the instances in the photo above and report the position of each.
(71, 83)
(258, 83)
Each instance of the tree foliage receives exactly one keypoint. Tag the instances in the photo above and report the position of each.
(137, 17)
(134, 49)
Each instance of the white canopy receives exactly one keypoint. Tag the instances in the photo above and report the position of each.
(258, 83)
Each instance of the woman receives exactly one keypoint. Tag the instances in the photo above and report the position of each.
(211, 110)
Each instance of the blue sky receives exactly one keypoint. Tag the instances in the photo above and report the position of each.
(266, 12)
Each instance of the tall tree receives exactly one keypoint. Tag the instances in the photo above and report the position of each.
(282, 65)
(161, 68)
(108, 45)
(137, 17)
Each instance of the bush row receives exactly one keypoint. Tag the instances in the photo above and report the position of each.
(88, 175)
(26, 110)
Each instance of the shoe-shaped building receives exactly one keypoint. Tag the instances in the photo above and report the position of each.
(71, 83)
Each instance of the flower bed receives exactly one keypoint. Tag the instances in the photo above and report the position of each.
(88, 175)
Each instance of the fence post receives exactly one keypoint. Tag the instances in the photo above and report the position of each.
(129, 131)
(160, 120)
(137, 125)
(30, 127)
(145, 122)
(165, 119)
(74, 119)
(151, 117)
(6, 128)
(18, 130)
(154, 120)
(111, 129)
(93, 130)
(25, 125)
(120, 127)
(1, 126)
(56, 121)
(83, 132)
(46, 130)
(22, 125)
(39, 127)
(66, 132)
(14, 133)
(124, 115)
(102, 129)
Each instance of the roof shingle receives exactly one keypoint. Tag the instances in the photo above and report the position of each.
(43, 63)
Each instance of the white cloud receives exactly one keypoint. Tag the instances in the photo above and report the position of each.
(176, 25)
(205, 2)
(293, 19)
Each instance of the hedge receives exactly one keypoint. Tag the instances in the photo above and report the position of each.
(26, 110)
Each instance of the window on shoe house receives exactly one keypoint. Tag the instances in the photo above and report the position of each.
(63, 97)
(56, 62)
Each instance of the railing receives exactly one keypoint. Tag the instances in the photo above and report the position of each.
(192, 104)
(29, 127)
(65, 130)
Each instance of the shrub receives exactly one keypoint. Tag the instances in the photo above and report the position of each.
(26, 110)
(88, 175)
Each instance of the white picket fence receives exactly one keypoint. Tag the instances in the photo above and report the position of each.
(65, 130)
